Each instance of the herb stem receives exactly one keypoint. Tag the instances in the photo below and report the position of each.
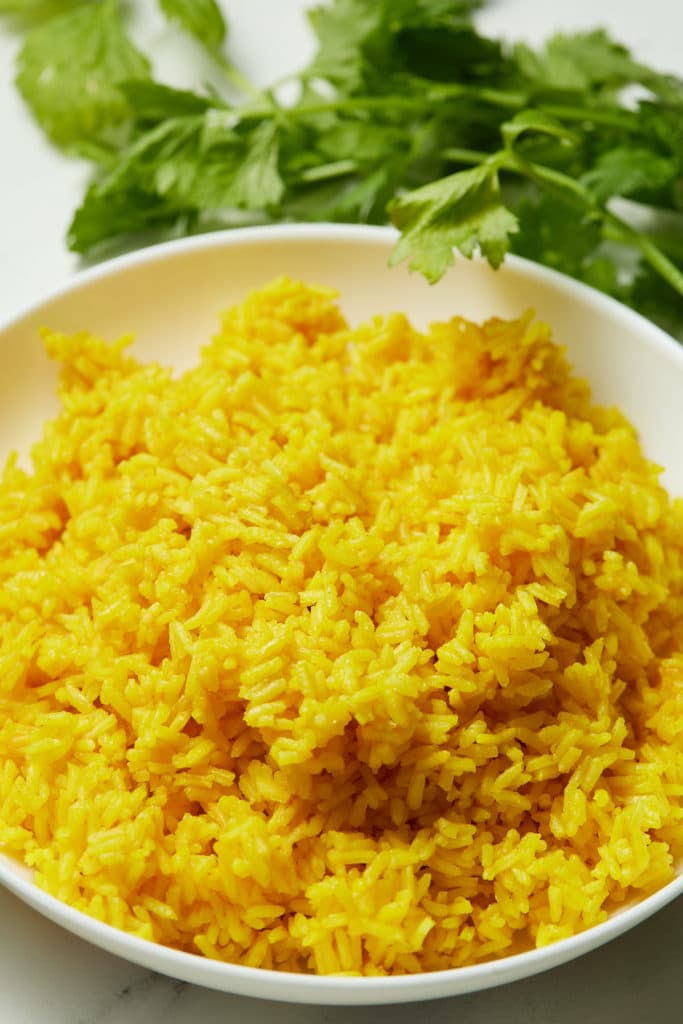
(495, 98)
(614, 119)
(510, 160)
(352, 104)
(651, 252)
(465, 156)
(547, 175)
(337, 169)
(237, 78)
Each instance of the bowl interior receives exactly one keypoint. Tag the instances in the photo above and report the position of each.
(171, 297)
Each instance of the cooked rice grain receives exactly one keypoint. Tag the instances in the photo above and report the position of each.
(347, 651)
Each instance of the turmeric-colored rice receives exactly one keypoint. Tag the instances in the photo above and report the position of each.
(347, 651)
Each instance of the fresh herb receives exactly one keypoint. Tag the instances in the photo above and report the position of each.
(465, 210)
(69, 70)
(26, 12)
(201, 18)
(406, 113)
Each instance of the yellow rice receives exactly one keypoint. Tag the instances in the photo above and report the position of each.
(346, 651)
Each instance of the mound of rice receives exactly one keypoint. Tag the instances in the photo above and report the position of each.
(347, 651)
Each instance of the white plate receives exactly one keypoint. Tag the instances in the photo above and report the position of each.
(170, 295)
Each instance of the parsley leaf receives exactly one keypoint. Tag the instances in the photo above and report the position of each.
(592, 61)
(108, 218)
(630, 171)
(365, 44)
(577, 63)
(201, 18)
(543, 234)
(152, 101)
(184, 166)
(651, 296)
(536, 121)
(144, 187)
(257, 184)
(31, 11)
(464, 211)
(69, 69)
(342, 30)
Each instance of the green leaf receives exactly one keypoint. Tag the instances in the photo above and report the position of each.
(257, 184)
(662, 128)
(354, 199)
(342, 29)
(32, 11)
(146, 185)
(538, 122)
(588, 61)
(201, 18)
(183, 166)
(601, 272)
(668, 88)
(444, 13)
(434, 38)
(363, 142)
(18, 6)
(575, 63)
(370, 45)
(109, 217)
(153, 102)
(544, 236)
(630, 171)
(69, 70)
(463, 211)
(652, 296)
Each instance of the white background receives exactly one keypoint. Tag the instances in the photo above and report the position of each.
(45, 973)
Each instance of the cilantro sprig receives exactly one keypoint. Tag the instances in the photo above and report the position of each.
(406, 113)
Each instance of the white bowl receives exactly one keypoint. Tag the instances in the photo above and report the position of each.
(170, 296)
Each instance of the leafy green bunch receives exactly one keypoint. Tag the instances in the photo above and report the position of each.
(568, 155)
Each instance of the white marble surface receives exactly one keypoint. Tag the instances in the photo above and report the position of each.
(48, 974)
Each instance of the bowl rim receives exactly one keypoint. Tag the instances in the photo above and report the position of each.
(326, 231)
(287, 985)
